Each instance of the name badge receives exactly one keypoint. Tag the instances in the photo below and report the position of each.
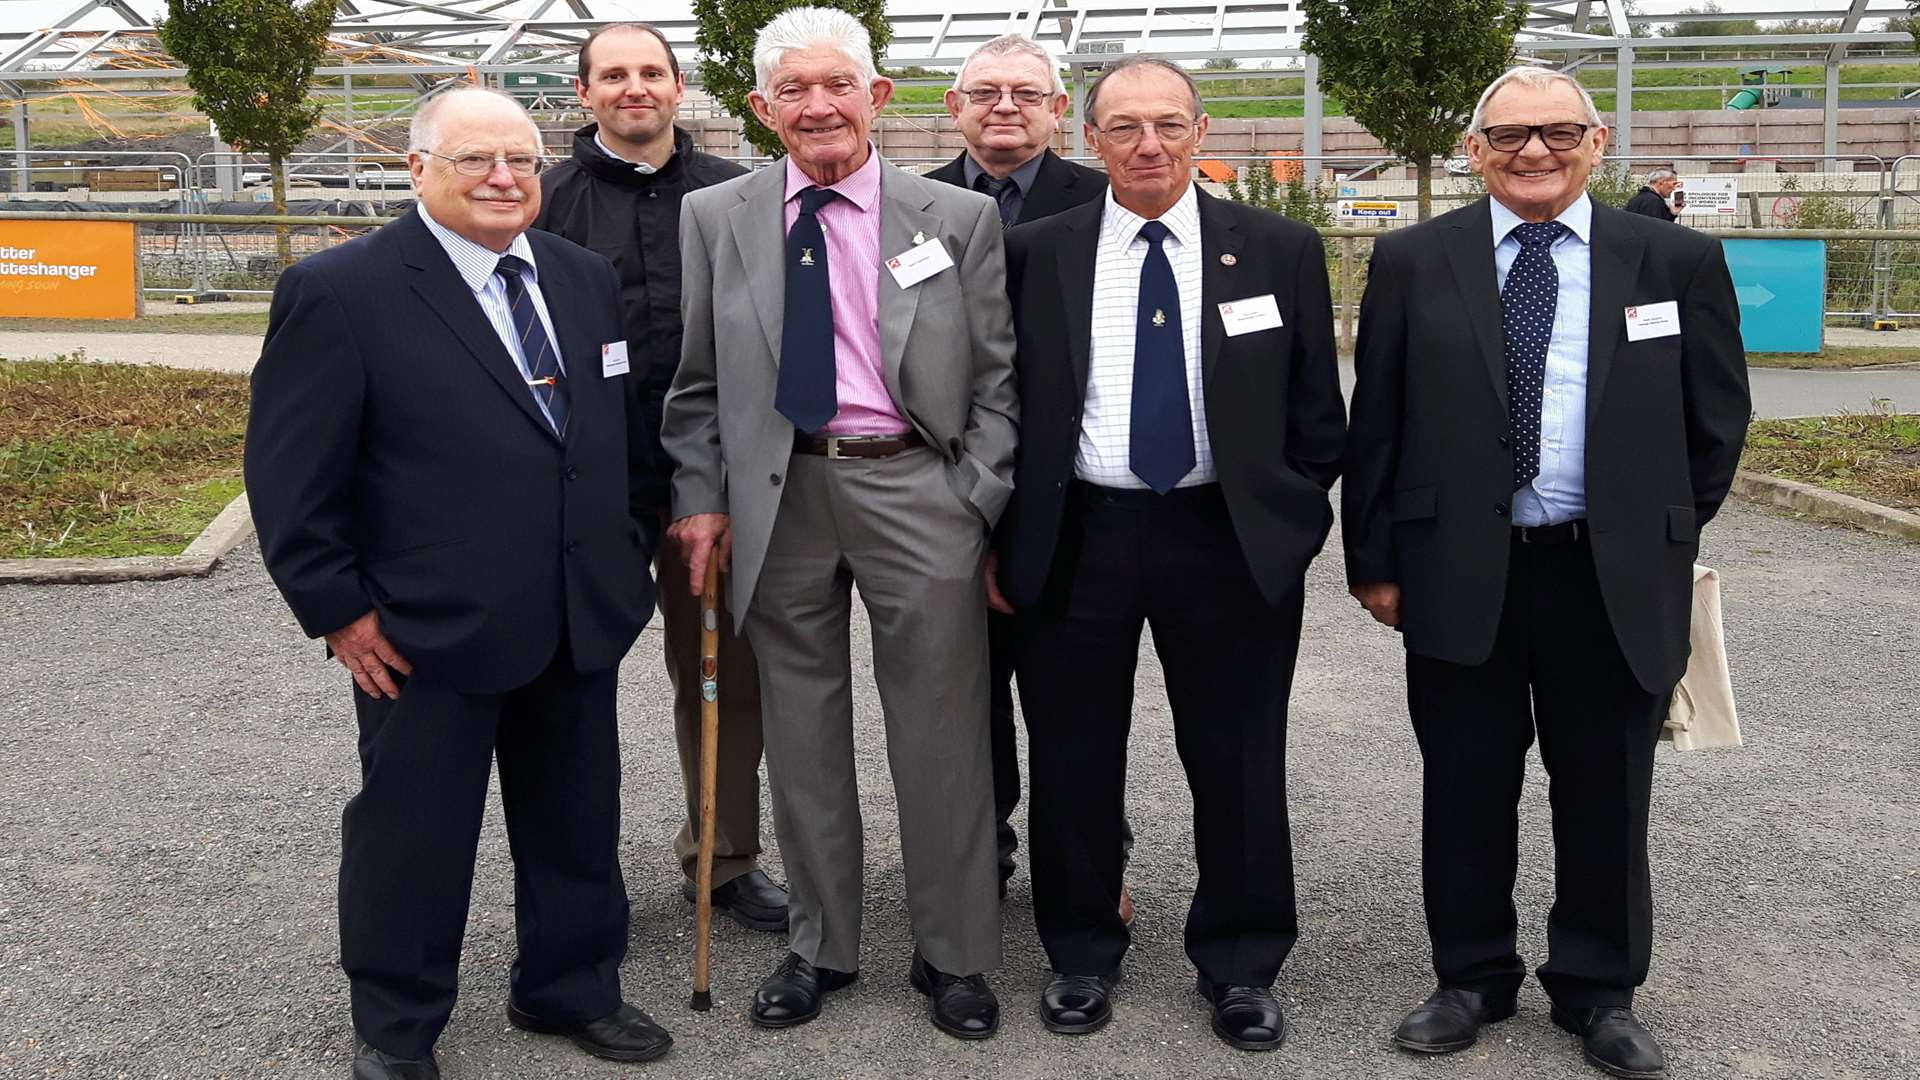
(919, 262)
(1251, 314)
(613, 359)
(1653, 320)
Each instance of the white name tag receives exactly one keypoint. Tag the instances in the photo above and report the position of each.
(919, 262)
(1653, 320)
(1251, 314)
(613, 359)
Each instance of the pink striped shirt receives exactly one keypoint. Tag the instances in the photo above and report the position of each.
(852, 225)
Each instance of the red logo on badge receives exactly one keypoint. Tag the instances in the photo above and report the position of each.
(1633, 313)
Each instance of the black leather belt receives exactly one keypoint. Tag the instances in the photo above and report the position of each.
(840, 447)
(1567, 532)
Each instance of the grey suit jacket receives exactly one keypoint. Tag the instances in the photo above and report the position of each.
(947, 343)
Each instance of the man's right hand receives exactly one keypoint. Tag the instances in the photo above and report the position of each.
(1381, 599)
(363, 650)
(701, 537)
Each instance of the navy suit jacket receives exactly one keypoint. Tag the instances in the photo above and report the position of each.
(397, 463)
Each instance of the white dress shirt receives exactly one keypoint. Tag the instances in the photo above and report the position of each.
(1107, 416)
(476, 265)
(1559, 492)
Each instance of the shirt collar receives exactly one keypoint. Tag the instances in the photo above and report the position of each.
(862, 189)
(1578, 219)
(475, 262)
(1182, 219)
(608, 150)
(1022, 177)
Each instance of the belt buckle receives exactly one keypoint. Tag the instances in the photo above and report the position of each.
(833, 449)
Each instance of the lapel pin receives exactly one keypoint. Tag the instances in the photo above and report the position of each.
(919, 238)
(1227, 258)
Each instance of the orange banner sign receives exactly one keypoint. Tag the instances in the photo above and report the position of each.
(68, 269)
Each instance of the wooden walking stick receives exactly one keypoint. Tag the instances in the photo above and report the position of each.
(709, 779)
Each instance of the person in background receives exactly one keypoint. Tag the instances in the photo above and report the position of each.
(1651, 199)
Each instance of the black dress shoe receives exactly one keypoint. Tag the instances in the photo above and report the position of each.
(791, 995)
(625, 1034)
(1450, 1020)
(1615, 1041)
(1245, 1017)
(371, 1064)
(753, 900)
(1077, 1004)
(963, 1006)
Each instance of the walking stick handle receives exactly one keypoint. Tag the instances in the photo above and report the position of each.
(709, 779)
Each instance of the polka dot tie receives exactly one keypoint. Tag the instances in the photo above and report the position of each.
(1527, 303)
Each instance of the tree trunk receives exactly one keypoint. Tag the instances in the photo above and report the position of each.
(282, 233)
(1424, 170)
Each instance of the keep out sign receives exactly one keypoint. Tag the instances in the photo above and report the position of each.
(68, 269)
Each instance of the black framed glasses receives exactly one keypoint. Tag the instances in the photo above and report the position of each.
(482, 164)
(1025, 96)
(1510, 138)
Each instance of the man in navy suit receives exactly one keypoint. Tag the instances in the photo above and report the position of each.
(452, 488)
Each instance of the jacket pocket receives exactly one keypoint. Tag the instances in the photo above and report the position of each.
(1680, 526)
(1412, 504)
(415, 549)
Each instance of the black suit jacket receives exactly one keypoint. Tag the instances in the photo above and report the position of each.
(1059, 185)
(396, 462)
(1429, 473)
(1275, 419)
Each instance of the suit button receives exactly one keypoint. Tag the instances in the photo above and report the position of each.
(1500, 509)
(573, 546)
(573, 473)
(774, 479)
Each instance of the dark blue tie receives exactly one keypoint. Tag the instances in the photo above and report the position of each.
(1527, 303)
(544, 377)
(1160, 435)
(807, 393)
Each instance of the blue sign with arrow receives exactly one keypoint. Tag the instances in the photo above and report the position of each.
(1782, 289)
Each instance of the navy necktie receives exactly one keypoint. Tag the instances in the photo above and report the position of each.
(544, 377)
(807, 392)
(1160, 430)
(1527, 303)
(1001, 192)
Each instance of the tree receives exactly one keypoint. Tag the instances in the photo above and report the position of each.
(250, 64)
(1412, 70)
(725, 40)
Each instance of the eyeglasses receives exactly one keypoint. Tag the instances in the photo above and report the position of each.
(1510, 138)
(482, 164)
(1169, 131)
(1026, 97)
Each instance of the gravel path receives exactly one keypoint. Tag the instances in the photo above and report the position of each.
(174, 757)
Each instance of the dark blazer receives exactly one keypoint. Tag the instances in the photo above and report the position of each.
(396, 462)
(1429, 472)
(1275, 419)
(1059, 185)
(1647, 203)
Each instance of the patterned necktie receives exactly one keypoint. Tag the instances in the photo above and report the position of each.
(1001, 192)
(544, 377)
(1160, 428)
(1527, 302)
(807, 393)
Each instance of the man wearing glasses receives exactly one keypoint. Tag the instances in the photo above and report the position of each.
(1007, 102)
(1551, 403)
(439, 463)
(1181, 423)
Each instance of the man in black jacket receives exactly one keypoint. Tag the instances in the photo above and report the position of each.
(620, 196)
(1007, 102)
(1651, 200)
(1551, 404)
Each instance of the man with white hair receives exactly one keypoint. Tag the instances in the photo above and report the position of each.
(1651, 199)
(447, 490)
(1007, 101)
(843, 415)
(1551, 403)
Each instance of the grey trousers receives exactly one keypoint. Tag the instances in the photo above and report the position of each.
(736, 817)
(894, 527)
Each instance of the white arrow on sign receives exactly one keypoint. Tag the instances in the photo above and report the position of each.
(1753, 295)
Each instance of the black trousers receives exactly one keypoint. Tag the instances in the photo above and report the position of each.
(1556, 669)
(1173, 563)
(410, 835)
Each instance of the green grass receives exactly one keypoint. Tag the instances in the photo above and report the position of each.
(1875, 456)
(252, 323)
(1836, 356)
(114, 459)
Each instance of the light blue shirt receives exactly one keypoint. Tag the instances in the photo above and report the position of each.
(1559, 492)
(476, 265)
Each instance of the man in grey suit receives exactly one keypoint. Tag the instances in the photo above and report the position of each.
(843, 415)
